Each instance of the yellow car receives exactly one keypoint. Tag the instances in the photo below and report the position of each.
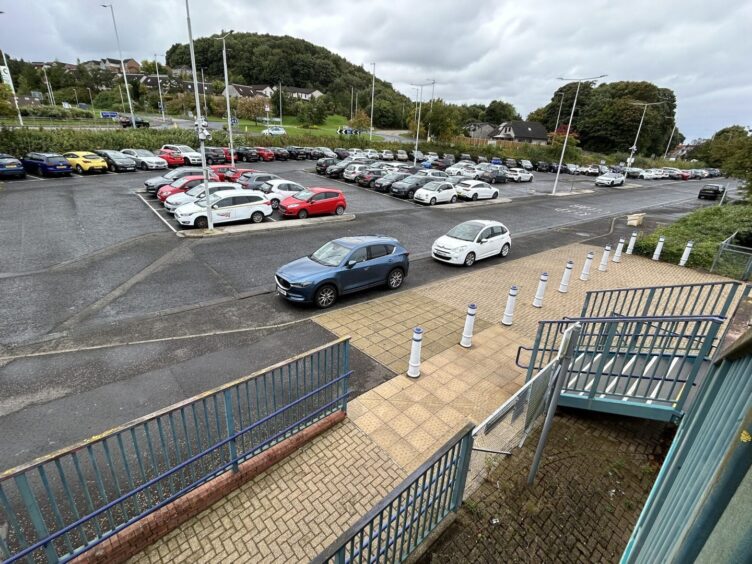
(83, 161)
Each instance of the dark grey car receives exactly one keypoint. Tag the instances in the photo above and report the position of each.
(406, 188)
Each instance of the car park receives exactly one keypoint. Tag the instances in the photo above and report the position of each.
(85, 161)
(436, 192)
(352, 170)
(226, 206)
(46, 164)
(182, 185)
(476, 190)
(252, 180)
(711, 192)
(495, 175)
(279, 189)
(471, 241)
(265, 153)
(384, 184)
(314, 201)
(343, 266)
(196, 193)
(274, 130)
(368, 177)
(145, 160)
(247, 154)
(519, 175)
(117, 161)
(407, 187)
(324, 163)
(401, 155)
(610, 179)
(11, 167)
(214, 155)
(190, 156)
(542, 166)
(171, 157)
(387, 155)
(155, 183)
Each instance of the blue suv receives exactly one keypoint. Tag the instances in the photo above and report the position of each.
(344, 266)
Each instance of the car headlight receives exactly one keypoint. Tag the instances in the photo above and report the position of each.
(458, 250)
(294, 206)
(304, 284)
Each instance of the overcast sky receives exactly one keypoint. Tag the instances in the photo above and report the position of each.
(476, 51)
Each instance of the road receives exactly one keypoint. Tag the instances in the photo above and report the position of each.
(109, 315)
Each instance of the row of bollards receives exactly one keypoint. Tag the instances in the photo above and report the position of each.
(467, 332)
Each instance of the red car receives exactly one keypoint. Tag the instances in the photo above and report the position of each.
(265, 154)
(314, 201)
(228, 154)
(237, 173)
(225, 172)
(171, 158)
(182, 185)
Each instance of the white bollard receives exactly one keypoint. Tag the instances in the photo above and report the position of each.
(509, 310)
(632, 241)
(467, 332)
(659, 248)
(413, 366)
(603, 266)
(564, 284)
(541, 291)
(685, 256)
(585, 274)
(617, 253)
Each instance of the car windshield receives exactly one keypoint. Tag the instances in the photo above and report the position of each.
(143, 153)
(331, 254)
(56, 160)
(412, 180)
(432, 186)
(181, 181)
(466, 231)
(612, 175)
(465, 184)
(304, 195)
(212, 199)
(185, 149)
(91, 156)
(395, 176)
(117, 154)
(198, 191)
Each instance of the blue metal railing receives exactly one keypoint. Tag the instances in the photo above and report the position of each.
(393, 529)
(62, 505)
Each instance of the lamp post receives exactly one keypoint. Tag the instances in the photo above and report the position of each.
(671, 138)
(428, 128)
(561, 103)
(373, 92)
(203, 89)
(159, 86)
(50, 94)
(122, 64)
(202, 131)
(227, 97)
(417, 126)
(12, 88)
(569, 125)
(633, 148)
(122, 100)
(91, 98)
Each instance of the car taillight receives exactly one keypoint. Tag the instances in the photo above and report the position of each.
(267, 203)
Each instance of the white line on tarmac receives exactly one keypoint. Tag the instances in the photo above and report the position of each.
(163, 220)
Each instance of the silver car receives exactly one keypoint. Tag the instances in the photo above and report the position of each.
(146, 160)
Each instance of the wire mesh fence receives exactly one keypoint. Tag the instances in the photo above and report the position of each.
(734, 261)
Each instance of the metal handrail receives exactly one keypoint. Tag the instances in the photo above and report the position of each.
(665, 286)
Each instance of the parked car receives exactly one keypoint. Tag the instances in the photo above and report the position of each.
(436, 192)
(711, 192)
(117, 161)
(384, 184)
(155, 183)
(264, 153)
(510, 163)
(280, 154)
(496, 160)
(465, 157)
(570, 168)
(401, 155)
(368, 177)
(314, 201)
(590, 170)
(182, 185)
(11, 167)
(519, 175)
(527, 165)
(496, 175)
(343, 266)
(341, 153)
(432, 172)
(480, 159)
(387, 155)
(471, 241)
(323, 164)
(253, 180)
(442, 164)
(542, 166)
(476, 190)
(127, 121)
(84, 161)
(214, 155)
(235, 174)
(225, 206)
(279, 189)
(171, 157)
(229, 154)
(223, 171)
(327, 153)
(336, 170)
(461, 168)
(610, 179)
(352, 170)
(407, 187)
(274, 130)
(190, 156)
(648, 174)
(633, 172)
(416, 156)
(145, 160)
(448, 158)
(196, 193)
(432, 156)
(296, 153)
(244, 154)
(46, 164)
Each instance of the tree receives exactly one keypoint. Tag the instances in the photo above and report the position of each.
(251, 108)
(6, 101)
(149, 67)
(443, 120)
(361, 121)
(499, 111)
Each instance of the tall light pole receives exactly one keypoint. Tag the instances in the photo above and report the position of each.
(159, 86)
(202, 132)
(352, 96)
(122, 100)
(417, 125)
(671, 138)
(227, 97)
(203, 89)
(373, 92)
(12, 88)
(633, 148)
(91, 98)
(428, 129)
(280, 103)
(50, 94)
(569, 125)
(561, 103)
(122, 64)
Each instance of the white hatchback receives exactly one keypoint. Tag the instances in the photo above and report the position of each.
(190, 155)
(476, 190)
(519, 175)
(472, 241)
(353, 170)
(226, 205)
(438, 192)
(278, 189)
(196, 193)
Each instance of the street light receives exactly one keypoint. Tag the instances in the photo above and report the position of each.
(428, 129)
(633, 148)
(159, 86)
(122, 64)
(91, 98)
(203, 88)
(373, 91)
(227, 97)
(569, 125)
(203, 133)
(671, 138)
(561, 103)
(417, 127)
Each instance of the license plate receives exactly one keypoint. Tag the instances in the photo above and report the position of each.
(61, 166)
(11, 166)
(281, 291)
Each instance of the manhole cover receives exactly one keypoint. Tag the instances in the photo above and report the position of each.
(583, 234)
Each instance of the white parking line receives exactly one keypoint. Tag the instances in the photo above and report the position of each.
(157, 213)
(32, 177)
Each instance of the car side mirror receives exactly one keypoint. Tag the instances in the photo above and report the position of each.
(351, 263)
(483, 241)
(214, 207)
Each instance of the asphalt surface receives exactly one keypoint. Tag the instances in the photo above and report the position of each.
(109, 315)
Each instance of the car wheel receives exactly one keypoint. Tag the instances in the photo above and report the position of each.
(340, 210)
(302, 214)
(210, 161)
(410, 194)
(395, 278)
(372, 184)
(257, 217)
(79, 170)
(495, 195)
(111, 167)
(530, 179)
(432, 202)
(325, 296)
(493, 180)
(504, 250)
(201, 223)
(475, 199)
(453, 200)
(186, 162)
(244, 158)
(143, 166)
(275, 204)
(470, 259)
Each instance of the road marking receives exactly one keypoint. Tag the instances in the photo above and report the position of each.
(159, 215)
(32, 177)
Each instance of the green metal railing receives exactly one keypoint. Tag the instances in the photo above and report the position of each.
(62, 505)
(393, 529)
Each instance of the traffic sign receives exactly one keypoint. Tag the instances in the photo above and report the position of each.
(108, 114)
(266, 108)
(234, 121)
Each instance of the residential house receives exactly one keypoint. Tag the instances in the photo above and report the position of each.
(66, 66)
(522, 132)
(249, 91)
(480, 129)
(182, 71)
(167, 83)
(132, 66)
(28, 101)
(204, 88)
(302, 93)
